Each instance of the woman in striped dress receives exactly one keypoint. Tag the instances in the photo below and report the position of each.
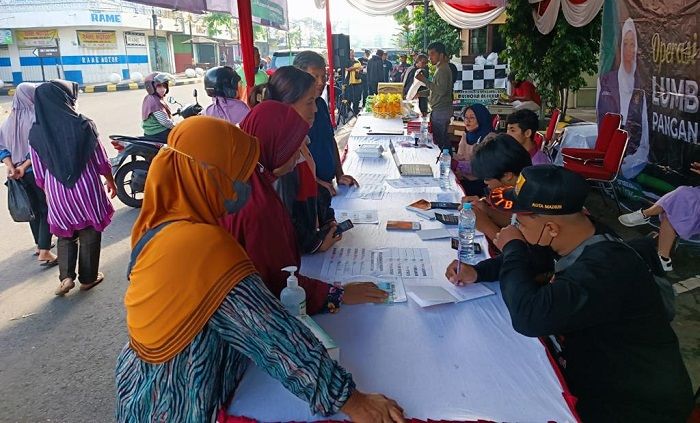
(68, 160)
(196, 309)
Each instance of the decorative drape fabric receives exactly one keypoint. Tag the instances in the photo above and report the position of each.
(468, 15)
(377, 7)
(545, 14)
(577, 13)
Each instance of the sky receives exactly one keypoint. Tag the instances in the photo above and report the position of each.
(365, 31)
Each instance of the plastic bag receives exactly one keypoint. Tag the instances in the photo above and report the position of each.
(18, 202)
(492, 59)
(480, 60)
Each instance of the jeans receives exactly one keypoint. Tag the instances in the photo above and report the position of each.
(40, 224)
(84, 248)
(440, 121)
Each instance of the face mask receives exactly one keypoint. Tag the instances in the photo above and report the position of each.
(160, 91)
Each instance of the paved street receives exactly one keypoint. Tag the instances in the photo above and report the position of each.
(57, 355)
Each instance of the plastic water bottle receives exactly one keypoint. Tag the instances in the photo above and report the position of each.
(424, 130)
(293, 297)
(466, 229)
(445, 162)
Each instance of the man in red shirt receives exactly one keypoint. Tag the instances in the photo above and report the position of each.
(524, 95)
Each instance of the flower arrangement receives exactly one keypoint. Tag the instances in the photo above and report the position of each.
(387, 105)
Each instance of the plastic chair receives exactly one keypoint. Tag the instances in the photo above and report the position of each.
(552, 127)
(606, 172)
(606, 130)
(539, 141)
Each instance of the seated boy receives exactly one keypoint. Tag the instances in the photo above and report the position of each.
(498, 162)
(522, 125)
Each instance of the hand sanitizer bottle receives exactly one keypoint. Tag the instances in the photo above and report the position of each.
(293, 297)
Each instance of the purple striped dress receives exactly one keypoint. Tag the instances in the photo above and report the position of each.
(84, 205)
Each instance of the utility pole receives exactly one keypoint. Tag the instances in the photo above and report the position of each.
(191, 40)
(425, 25)
(155, 40)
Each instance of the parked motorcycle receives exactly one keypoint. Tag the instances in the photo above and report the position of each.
(189, 110)
(134, 156)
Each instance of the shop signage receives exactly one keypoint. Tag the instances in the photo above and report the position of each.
(37, 38)
(97, 39)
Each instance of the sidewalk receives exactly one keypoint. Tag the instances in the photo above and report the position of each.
(107, 87)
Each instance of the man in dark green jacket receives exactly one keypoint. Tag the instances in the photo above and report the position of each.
(602, 311)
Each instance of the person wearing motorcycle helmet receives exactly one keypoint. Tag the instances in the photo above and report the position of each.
(155, 113)
(221, 84)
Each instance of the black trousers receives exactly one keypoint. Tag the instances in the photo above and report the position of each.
(354, 95)
(160, 136)
(372, 87)
(82, 248)
(365, 91)
(40, 224)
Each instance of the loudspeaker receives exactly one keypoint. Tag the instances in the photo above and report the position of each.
(341, 50)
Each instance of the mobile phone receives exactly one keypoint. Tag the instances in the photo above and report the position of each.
(444, 205)
(447, 219)
(343, 226)
(455, 245)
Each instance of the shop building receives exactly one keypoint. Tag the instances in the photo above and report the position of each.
(87, 41)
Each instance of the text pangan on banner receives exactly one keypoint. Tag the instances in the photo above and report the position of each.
(649, 73)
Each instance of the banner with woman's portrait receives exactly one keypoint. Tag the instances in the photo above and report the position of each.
(649, 73)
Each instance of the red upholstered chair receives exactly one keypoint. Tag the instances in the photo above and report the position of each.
(610, 123)
(604, 173)
(539, 140)
(552, 127)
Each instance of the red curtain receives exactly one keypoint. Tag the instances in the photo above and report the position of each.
(245, 20)
(473, 6)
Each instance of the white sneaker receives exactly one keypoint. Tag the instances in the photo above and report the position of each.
(633, 219)
(666, 263)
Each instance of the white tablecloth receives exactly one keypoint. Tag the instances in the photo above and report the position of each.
(454, 361)
(577, 136)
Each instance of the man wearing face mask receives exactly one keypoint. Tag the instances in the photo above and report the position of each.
(602, 311)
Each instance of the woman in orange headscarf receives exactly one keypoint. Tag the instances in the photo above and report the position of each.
(196, 308)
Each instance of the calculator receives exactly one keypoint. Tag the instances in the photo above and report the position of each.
(447, 219)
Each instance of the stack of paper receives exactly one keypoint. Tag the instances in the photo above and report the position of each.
(430, 295)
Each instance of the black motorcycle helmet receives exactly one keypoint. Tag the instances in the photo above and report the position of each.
(157, 78)
(221, 81)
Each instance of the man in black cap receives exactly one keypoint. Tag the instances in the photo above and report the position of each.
(602, 311)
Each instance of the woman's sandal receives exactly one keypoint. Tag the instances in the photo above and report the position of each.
(89, 286)
(48, 263)
(66, 285)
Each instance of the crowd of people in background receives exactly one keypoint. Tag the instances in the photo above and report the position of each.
(269, 157)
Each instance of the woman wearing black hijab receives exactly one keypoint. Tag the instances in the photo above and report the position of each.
(68, 160)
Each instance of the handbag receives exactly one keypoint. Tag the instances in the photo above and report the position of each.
(18, 202)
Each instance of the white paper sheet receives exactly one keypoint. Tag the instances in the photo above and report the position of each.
(358, 216)
(371, 178)
(414, 182)
(367, 192)
(342, 263)
(428, 234)
(430, 295)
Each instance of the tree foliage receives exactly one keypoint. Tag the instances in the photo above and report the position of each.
(556, 61)
(401, 38)
(438, 30)
(216, 23)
